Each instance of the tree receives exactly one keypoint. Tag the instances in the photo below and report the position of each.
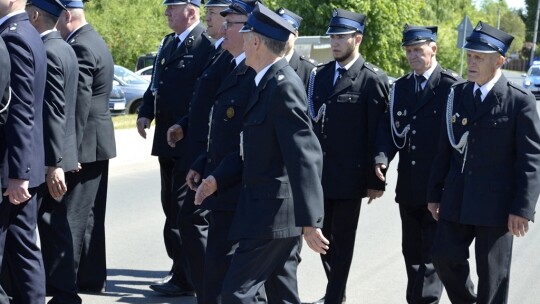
(130, 27)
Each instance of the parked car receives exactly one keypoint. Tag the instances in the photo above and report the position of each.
(117, 101)
(532, 79)
(133, 86)
(146, 72)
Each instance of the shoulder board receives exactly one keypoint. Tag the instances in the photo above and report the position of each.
(403, 77)
(460, 83)
(517, 87)
(450, 73)
(308, 60)
(375, 69)
(322, 66)
(13, 27)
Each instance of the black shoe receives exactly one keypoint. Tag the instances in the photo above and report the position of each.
(165, 279)
(171, 289)
(92, 289)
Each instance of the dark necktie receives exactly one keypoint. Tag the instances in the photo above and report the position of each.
(340, 71)
(477, 101)
(419, 80)
(175, 44)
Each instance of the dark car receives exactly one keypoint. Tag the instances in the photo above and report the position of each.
(133, 86)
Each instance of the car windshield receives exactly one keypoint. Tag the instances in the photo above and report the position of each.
(535, 71)
(128, 77)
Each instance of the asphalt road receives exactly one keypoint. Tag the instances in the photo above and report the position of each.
(136, 255)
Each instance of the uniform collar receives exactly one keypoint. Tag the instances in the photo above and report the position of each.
(488, 85)
(347, 67)
(6, 17)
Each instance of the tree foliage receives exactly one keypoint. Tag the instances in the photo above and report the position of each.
(135, 27)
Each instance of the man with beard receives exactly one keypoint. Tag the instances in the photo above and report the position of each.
(346, 100)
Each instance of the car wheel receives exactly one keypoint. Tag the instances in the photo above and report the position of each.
(134, 109)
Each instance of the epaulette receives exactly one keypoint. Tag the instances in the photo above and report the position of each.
(517, 87)
(13, 27)
(375, 69)
(309, 60)
(329, 64)
(450, 74)
(460, 83)
(403, 77)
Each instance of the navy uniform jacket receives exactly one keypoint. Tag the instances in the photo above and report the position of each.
(95, 131)
(281, 191)
(348, 130)
(174, 77)
(195, 123)
(23, 130)
(59, 103)
(424, 114)
(4, 86)
(501, 172)
(302, 66)
(224, 137)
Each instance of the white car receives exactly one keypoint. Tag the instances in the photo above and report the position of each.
(146, 72)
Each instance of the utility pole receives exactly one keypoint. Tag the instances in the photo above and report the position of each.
(535, 32)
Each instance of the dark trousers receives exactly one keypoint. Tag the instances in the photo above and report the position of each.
(219, 253)
(272, 263)
(18, 247)
(493, 248)
(57, 249)
(417, 233)
(173, 192)
(85, 205)
(193, 226)
(339, 226)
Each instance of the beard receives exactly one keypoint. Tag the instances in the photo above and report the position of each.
(347, 53)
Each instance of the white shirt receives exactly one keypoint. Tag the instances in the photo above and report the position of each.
(46, 32)
(488, 85)
(239, 58)
(218, 43)
(346, 67)
(261, 74)
(428, 73)
(185, 33)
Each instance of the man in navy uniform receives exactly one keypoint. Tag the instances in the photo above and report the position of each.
(22, 157)
(411, 127)
(485, 179)
(181, 59)
(281, 193)
(86, 198)
(193, 129)
(60, 151)
(300, 64)
(225, 127)
(346, 100)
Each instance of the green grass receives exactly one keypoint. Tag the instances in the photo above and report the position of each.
(124, 121)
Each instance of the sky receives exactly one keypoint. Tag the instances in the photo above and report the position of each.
(516, 3)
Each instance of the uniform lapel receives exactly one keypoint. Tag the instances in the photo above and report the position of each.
(348, 78)
(262, 84)
(232, 79)
(429, 90)
(468, 99)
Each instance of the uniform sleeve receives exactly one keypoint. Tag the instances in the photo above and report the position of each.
(20, 122)
(378, 99)
(87, 62)
(527, 169)
(440, 166)
(54, 115)
(301, 151)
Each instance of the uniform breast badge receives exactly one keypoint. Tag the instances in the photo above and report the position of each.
(230, 112)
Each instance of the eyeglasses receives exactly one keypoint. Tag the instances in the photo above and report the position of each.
(228, 24)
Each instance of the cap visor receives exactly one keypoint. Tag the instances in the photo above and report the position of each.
(245, 29)
(333, 30)
(479, 47)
